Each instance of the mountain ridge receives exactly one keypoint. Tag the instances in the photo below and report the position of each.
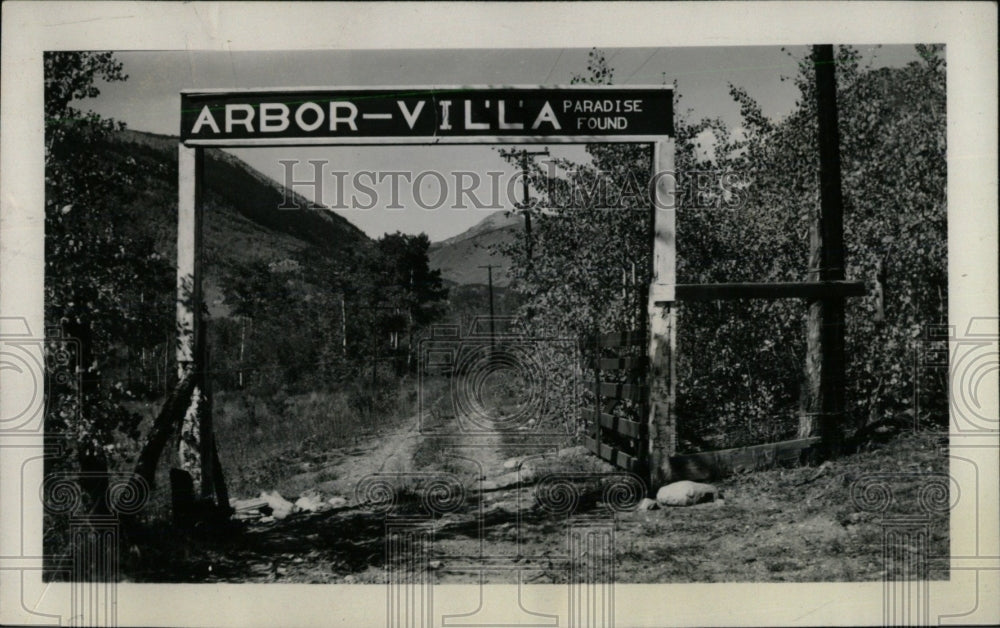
(460, 257)
(242, 225)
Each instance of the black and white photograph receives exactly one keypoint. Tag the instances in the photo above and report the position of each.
(541, 320)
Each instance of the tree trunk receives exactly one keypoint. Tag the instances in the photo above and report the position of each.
(92, 461)
(169, 418)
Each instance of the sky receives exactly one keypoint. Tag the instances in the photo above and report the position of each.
(149, 101)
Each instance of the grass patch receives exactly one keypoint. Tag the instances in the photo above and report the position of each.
(265, 440)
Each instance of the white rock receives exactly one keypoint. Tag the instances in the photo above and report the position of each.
(337, 502)
(280, 507)
(510, 463)
(647, 504)
(310, 502)
(685, 493)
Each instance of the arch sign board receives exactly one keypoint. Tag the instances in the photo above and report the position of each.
(577, 114)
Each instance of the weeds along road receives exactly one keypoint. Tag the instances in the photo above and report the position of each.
(780, 525)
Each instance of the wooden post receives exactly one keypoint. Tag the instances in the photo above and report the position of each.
(526, 204)
(166, 366)
(489, 269)
(243, 332)
(343, 324)
(596, 432)
(190, 166)
(825, 399)
(662, 313)
(197, 444)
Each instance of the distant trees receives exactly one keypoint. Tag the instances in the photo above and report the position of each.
(310, 322)
(401, 263)
(398, 295)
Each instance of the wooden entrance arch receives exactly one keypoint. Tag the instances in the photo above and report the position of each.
(578, 114)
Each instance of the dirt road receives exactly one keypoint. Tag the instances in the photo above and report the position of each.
(777, 525)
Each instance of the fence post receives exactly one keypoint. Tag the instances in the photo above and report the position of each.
(662, 315)
(597, 393)
(825, 372)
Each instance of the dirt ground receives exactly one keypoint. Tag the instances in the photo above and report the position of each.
(795, 525)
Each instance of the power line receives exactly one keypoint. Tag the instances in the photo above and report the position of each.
(489, 269)
(526, 202)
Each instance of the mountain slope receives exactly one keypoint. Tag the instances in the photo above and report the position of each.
(242, 224)
(459, 258)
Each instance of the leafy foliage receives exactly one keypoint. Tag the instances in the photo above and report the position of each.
(278, 283)
(893, 164)
(741, 363)
(309, 322)
(105, 285)
(584, 238)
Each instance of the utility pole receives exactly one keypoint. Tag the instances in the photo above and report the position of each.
(825, 325)
(526, 203)
(243, 331)
(409, 325)
(166, 364)
(343, 324)
(489, 269)
(374, 357)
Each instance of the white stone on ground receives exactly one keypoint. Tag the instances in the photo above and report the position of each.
(310, 502)
(685, 493)
(280, 507)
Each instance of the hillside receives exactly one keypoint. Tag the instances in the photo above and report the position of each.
(242, 222)
(459, 258)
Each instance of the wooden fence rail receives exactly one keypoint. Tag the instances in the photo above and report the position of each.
(616, 423)
(617, 428)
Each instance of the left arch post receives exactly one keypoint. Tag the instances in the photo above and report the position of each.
(198, 482)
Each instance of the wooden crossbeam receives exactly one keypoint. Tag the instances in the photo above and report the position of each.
(768, 290)
(625, 427)
(620, 364)
(632, 392)
(613, 455)
(625, 364)
(622, 339)
(723, 462)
